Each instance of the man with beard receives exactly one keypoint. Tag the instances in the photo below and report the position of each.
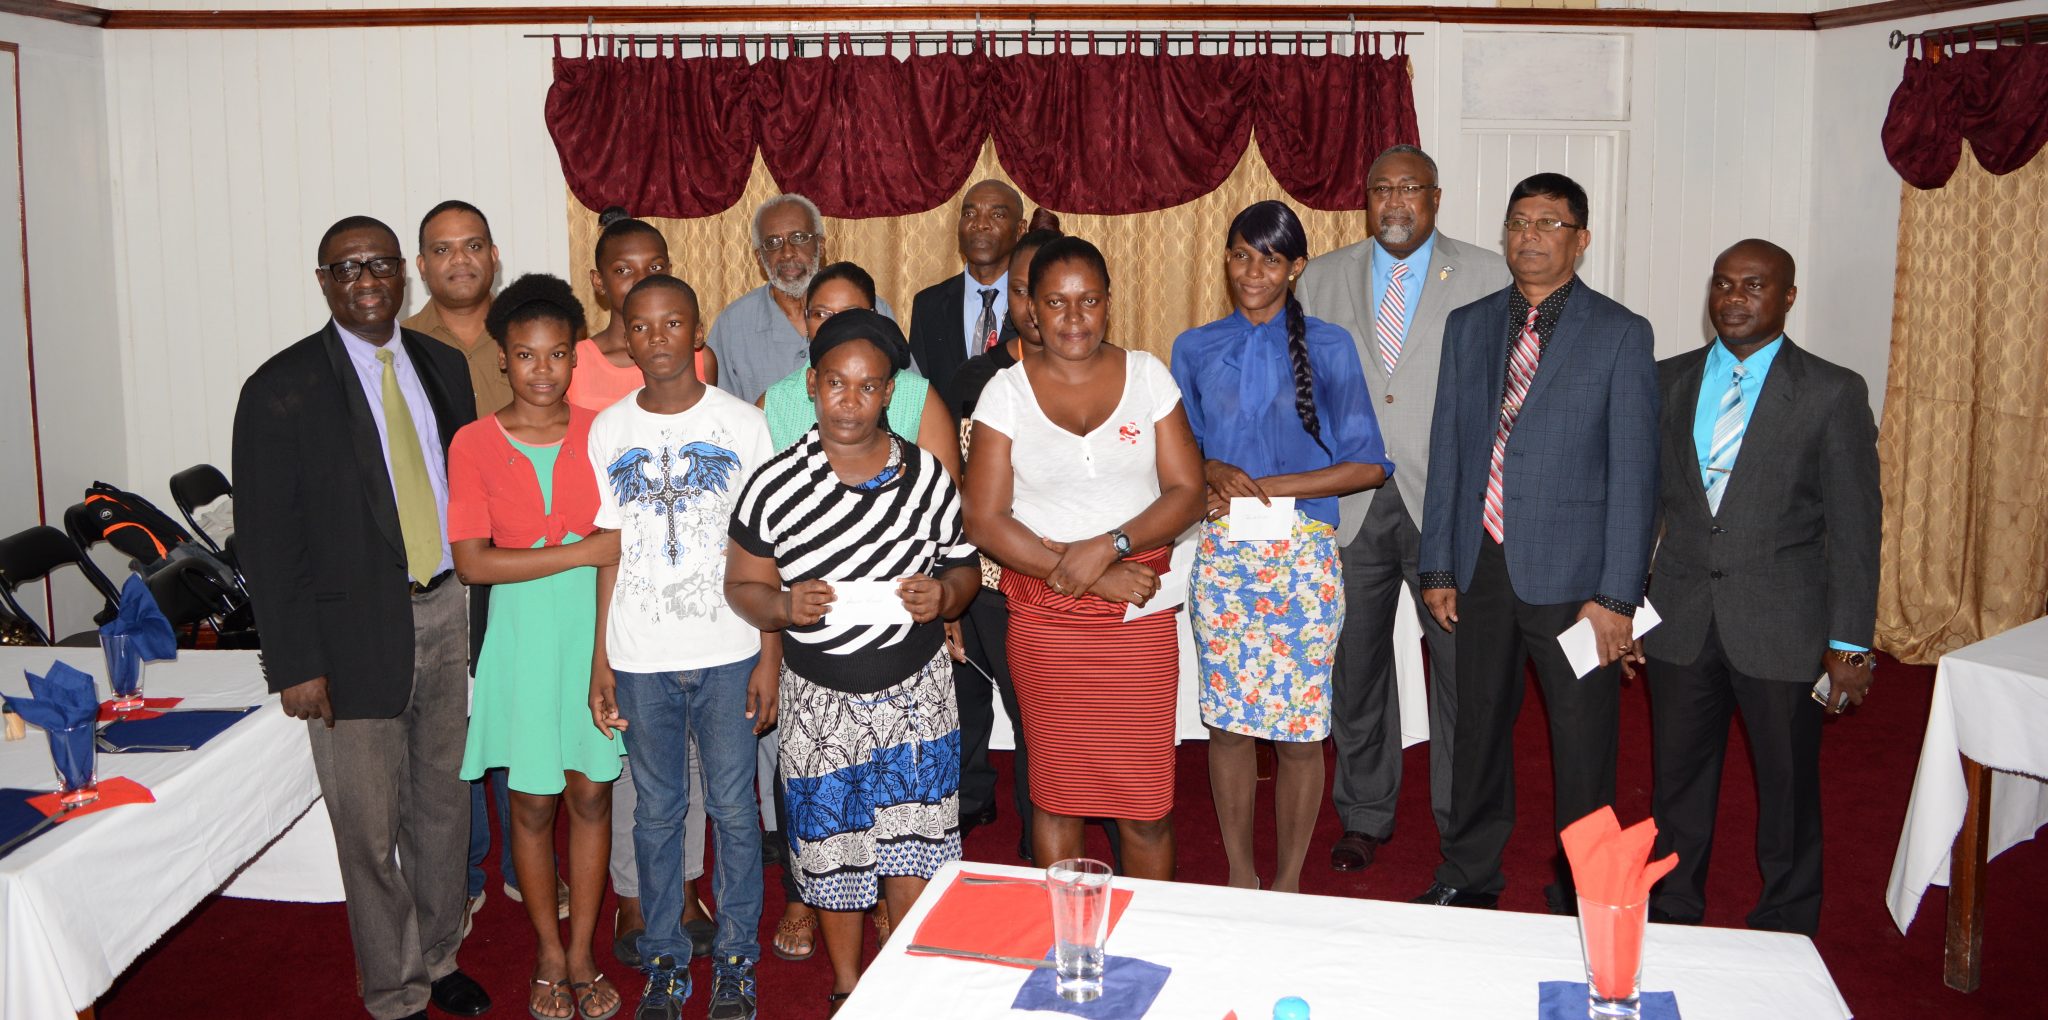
(962, 316)
(760, 337)
(1393, 292)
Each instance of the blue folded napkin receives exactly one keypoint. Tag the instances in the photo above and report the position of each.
(1566, 1000)
(143, 622)
(190, 728)
(65, 706)
(16, 814)
(1128, 987)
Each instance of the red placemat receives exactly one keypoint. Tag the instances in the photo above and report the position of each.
(1012, 918)
(113, 793)
(151, 708)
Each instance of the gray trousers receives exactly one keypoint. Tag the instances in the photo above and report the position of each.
(1365, 706)
(401, 815)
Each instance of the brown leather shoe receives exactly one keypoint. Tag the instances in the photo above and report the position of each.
(1354, 851)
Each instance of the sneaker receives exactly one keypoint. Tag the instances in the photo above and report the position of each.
(732, 989)
(668, 987)
(561, 897)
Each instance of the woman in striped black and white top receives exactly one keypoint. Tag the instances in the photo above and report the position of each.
(866, 530)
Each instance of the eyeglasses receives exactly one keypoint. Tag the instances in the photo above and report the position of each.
(1545, 225)
(382, 267)
(1404, 190)
(800, 238)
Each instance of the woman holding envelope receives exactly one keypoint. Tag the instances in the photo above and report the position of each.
(1278, 402)
(1084, 474)
(865, 529)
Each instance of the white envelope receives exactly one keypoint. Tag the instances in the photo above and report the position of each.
(1577, 640)
(1253, 521)
(875, 603)
(1173, 585)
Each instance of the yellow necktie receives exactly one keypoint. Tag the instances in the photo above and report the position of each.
(418, 520)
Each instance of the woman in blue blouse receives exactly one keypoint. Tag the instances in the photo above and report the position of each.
(1278, 403)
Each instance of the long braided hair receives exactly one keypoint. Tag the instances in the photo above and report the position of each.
(1271, 228)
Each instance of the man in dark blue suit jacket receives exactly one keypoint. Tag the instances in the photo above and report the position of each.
(1541, 503)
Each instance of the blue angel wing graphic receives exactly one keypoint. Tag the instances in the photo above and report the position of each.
(628, 481)
(711, 467)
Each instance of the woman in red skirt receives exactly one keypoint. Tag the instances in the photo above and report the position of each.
(1084, 473)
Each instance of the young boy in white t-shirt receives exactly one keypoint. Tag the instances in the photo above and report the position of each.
(672, 658)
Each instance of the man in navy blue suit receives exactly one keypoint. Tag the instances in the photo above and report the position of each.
(1541, 502)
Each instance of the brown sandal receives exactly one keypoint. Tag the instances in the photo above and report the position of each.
(799, 928)
(587, 990)
(558, 994)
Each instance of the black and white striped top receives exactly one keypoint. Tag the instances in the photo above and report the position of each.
(795, 511)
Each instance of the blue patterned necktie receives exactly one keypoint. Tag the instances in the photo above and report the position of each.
(1728, 428)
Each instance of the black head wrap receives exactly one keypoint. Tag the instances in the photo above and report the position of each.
(862, 324)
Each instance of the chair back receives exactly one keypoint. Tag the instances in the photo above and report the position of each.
(31, 555)
(196, 487)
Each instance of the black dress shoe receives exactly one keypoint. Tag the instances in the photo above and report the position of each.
(458, 994)
(972, 820)
(1354, 851)
(1659, 916)
(1441, 895)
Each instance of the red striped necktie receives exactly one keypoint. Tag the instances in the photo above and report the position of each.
(1521, 371)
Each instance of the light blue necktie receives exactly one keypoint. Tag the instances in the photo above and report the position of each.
(1728, 430)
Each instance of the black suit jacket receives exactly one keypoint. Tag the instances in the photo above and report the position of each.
(1791, 560)
(316, 525)
(938, 336)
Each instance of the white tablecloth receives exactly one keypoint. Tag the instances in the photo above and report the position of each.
(1236, 949)
(80, 902)
(1991, 703)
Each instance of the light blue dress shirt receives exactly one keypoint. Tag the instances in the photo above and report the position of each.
(1383, 263)
(370, 373)
(1714, 380)
(970, 309)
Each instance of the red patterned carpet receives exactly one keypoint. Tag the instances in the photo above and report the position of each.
(236, 958)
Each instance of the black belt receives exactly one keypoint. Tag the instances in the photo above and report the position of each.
(419, 589)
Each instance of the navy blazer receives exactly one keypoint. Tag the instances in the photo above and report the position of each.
(938, 337)
(1579, 481)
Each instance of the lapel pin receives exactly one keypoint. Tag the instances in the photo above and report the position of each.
(1443, 274)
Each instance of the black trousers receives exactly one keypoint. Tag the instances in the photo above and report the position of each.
(986, 628)
(1496, 634)
(1690, 708)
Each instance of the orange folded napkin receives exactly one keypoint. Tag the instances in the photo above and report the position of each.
(1010, 918)
(1611, 867)
(151, 708)
(113, 793)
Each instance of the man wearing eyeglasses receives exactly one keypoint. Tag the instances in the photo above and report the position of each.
(1542, 499)
(961, 316)
(341, 500)
(1393, 292)
(760, 337)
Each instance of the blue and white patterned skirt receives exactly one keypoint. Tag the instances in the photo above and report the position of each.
(873, 783)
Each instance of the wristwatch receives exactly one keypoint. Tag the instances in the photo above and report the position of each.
(1121, 541)
(1856, 659)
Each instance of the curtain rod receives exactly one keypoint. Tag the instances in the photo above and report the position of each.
(1297, 38)
(2020, 29)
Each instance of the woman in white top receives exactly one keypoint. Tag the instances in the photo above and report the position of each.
(1085, 471)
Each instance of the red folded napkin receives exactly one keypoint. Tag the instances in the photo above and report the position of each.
(1611, 867)
(1012, 918)
(151, 708)
(113, 793)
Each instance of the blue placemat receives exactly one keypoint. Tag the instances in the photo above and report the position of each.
(187, 729)
(1128, 987)
(1566, 1000)
(16, 816)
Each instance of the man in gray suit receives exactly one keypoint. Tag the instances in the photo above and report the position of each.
(1542, 505)
(1766, 578)
(1392, 291)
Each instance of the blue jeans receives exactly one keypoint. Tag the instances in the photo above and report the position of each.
(480, 831)
(662, 709)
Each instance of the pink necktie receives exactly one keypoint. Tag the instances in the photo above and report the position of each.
(1521, 370)
(1392, 322)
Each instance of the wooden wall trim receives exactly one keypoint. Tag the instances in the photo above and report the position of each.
(57, 10)
(1892, 10)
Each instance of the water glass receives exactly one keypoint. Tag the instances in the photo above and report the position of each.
(1612, 938)
(124, 671)
(72, 752)
(1080, 924)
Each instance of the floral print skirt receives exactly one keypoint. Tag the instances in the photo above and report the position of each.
(1266, 617)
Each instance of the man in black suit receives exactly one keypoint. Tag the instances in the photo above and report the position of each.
(1766, 578)
(340, 461)
(962, 316)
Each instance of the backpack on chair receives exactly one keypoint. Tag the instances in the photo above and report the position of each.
(133, 525)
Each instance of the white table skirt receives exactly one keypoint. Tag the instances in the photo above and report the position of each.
(1237, 949)
(80, 902)
(1991, 703)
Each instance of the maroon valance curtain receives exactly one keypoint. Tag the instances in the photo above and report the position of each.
(865, 136)
(1997, 98)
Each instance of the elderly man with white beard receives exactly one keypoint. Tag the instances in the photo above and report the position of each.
(759, 338)
(1393, 291)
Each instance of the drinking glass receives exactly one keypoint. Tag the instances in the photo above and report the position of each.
(124, 671)
(71, 751)
(1612, 938)
(1080, 924)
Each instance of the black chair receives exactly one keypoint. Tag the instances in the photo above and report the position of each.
(29, 556)
(195, 487)
(191, 595)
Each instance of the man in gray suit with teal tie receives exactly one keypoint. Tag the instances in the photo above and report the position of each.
(1393, 291)
(1542, 503)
